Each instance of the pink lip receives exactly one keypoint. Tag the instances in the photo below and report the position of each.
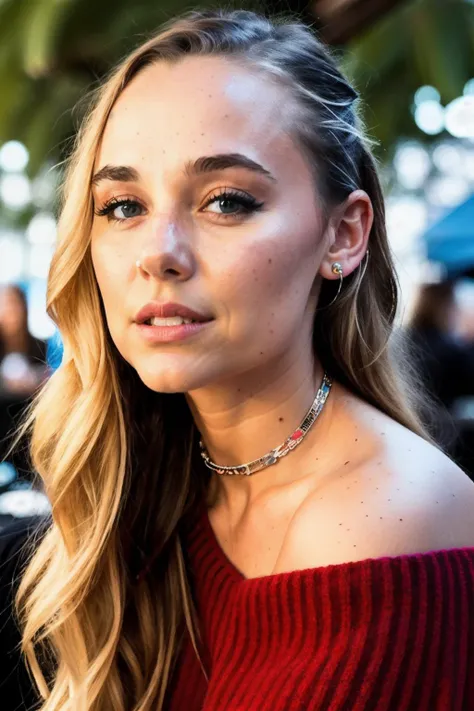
(170, 334)
(165, 310)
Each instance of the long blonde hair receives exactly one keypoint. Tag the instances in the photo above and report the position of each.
(114, 458)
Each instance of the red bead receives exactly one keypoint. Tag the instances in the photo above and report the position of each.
(297, 434)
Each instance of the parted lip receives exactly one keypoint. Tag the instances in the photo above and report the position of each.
(154, 309)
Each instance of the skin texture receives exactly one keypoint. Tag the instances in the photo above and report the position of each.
(250, 375)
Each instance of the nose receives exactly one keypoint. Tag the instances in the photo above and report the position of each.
(168, 256)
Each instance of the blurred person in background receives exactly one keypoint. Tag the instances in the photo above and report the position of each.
(22, 356)
(465, 326)
(246, 510)
(22, 370)
(444, 360)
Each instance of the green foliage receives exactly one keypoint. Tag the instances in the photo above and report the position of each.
(53, 51)
(422, 42)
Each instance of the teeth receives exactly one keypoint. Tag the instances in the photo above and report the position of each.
(169, 321)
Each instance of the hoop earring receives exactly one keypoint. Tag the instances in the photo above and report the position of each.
(337, 269)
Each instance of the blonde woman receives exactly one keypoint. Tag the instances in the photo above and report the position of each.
(246, 512)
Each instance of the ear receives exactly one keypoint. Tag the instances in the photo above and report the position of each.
(348, 234)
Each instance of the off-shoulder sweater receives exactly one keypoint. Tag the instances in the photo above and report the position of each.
(387, 634)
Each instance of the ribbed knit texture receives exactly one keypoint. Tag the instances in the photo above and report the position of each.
(389, 634)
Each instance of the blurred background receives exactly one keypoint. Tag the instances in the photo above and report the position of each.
(413, 63)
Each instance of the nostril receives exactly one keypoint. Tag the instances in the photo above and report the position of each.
(172, 272)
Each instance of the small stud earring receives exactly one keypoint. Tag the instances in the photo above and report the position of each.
(337, 269)
(138, 264)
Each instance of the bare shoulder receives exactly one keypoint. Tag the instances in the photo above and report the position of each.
(409, 498)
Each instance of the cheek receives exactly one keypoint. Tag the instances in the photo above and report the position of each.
(112, 274)
(270, 279)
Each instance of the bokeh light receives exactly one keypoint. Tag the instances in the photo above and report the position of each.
(429, 117)
(14, 157)
(447, 191)
(39, 323)
(426, 93)
(406, 220)
(448, 158)
(469, 88)
(39, 260)
(44, 187)
(12, 249)
(412, 164)
(15, 191)
(42, 229)
(460, 117)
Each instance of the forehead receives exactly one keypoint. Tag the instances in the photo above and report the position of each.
(198, 106)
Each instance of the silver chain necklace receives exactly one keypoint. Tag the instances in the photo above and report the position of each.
(290, 443)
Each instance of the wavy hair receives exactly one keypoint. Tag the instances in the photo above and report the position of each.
(116, 459)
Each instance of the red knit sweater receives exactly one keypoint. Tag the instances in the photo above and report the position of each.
(388, 634)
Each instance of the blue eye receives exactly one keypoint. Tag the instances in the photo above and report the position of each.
(120, 210)
(227, 203)
(232, 203)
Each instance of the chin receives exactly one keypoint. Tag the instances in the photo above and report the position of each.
(168, 384)
(169, 380)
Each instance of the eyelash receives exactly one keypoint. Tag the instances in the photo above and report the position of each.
(249, 203)
(111, 205)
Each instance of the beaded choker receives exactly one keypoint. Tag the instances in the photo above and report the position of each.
(274, 455)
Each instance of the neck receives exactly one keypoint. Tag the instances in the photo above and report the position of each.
(245, 419)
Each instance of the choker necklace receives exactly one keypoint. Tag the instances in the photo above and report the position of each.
(275, 454)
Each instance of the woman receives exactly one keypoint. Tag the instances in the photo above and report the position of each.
(215, 285)
(445, 363)
(16, 340)
(22, 368)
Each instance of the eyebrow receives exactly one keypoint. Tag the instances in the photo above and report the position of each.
(119, 173)
(201, 166)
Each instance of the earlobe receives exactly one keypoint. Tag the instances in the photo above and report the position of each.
(338, 271)
(350, 235)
